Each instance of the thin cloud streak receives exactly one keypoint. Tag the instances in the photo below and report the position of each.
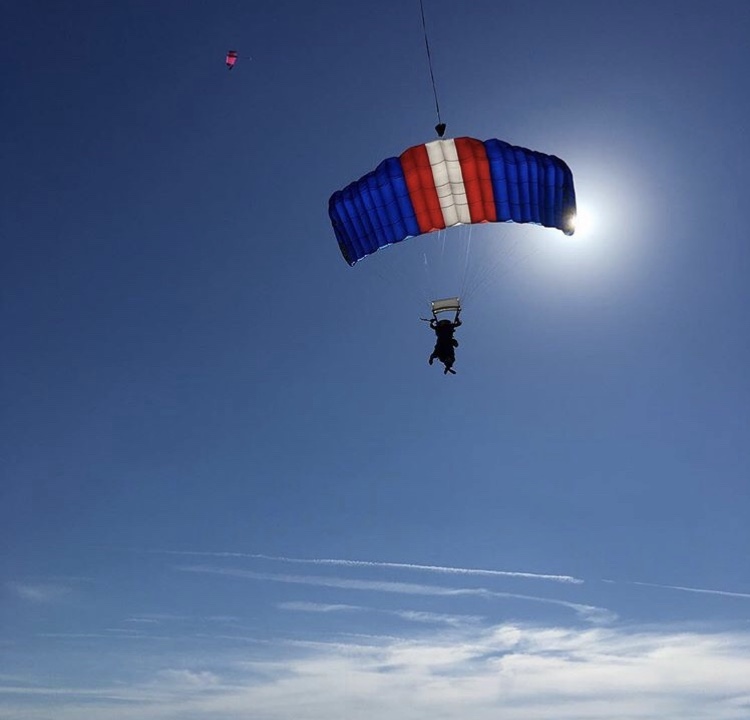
(590, 613)
(702, 591)
(109, 635)
(71, 692)
(340, 562)
(418, 616)
(40, 593)
(301, 606)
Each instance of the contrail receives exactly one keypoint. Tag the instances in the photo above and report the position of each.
(703, 591)
(588, 612)
(340, 562)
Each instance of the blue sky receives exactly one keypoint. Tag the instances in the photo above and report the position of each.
(231, 484)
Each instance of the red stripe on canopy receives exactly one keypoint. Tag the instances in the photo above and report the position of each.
(419, 180)
(475, 169)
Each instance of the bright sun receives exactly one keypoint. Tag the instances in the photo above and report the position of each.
(584, 222)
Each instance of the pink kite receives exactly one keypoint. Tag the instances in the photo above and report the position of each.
(231, 58)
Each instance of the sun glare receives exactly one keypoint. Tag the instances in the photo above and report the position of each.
(584, 222)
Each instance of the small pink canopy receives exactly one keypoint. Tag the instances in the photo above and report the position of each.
(231, 58)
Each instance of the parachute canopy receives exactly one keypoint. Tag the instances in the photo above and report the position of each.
(231, 58)
(451, 182)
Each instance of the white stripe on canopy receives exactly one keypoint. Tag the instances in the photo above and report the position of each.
(449, 181)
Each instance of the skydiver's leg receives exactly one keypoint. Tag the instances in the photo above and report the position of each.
(448, 359)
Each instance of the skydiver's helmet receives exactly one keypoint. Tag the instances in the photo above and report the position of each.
(444, 323)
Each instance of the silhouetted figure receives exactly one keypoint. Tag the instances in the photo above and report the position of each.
(446, 344)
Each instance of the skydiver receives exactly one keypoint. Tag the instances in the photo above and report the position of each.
(445, 344)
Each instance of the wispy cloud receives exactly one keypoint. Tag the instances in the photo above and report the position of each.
(109, 635)
(590, 613)
(527, 672)
(418, 616)
(40, 593)
(190, 678)
(340, 562)
(162, 618)
(158, 618)
(702, 591)
(432, 618)
(319, 607)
